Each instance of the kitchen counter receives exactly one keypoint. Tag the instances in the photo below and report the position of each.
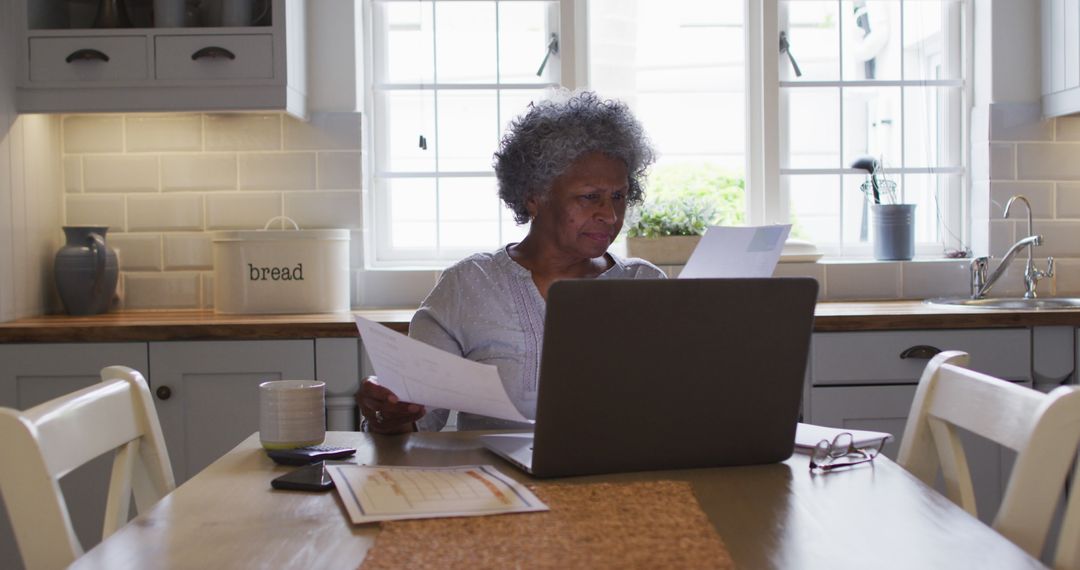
(205, 325)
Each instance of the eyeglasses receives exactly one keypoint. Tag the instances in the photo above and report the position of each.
(841, 452)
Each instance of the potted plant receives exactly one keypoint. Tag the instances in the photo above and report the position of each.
(684, 200)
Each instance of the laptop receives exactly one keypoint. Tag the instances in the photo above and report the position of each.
(641, 375)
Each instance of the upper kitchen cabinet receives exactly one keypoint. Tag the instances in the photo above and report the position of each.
(1060, 57)
(79, 56)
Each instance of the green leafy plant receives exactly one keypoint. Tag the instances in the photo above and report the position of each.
(685, 198)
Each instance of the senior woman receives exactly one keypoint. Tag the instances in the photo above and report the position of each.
(571, 167)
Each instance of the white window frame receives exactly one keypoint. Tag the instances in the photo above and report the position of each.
(767, 199)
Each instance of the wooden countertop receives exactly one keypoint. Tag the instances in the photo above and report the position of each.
(205, 325)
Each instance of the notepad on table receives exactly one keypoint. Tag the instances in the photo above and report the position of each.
(808, 435)
(378, 493)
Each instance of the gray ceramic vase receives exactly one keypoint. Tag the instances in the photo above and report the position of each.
(86, 271)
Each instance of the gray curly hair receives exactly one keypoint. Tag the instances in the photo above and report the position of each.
(541, 144)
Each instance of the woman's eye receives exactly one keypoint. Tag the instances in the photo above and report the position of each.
(590, 197)
(618, 196)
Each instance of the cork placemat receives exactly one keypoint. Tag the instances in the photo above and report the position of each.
(599, 525)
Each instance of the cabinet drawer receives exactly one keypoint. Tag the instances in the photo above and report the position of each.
(214, 57)
(127, 59)
(875, 357)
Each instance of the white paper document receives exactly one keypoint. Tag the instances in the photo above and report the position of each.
(808, 435)
(381, 493)
(423, 374)
(736, 251)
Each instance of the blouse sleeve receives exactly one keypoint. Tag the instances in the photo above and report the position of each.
(431, 325)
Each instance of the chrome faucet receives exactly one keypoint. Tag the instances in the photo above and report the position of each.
(981, 284)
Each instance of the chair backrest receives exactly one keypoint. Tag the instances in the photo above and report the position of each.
(44, 443)
(1044, 430)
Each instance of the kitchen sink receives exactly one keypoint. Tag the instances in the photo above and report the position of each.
(1009, 303)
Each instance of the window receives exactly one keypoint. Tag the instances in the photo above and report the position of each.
(446, 77)
(885, 78)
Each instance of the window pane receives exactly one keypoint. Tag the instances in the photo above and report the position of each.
(871, 39)
(856, 211)
(408, 115)
(408, 54)
(524, 34)
(815, 207)
(813, 133)
(511, 231)
(932, 40)
(412, 212)
(932, 126)
(465, 42)
(468, 130)
(514, 103)
(814, 37)
(468, 213)
(931, 193)
(872, 124)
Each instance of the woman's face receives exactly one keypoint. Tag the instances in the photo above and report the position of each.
(584, 209)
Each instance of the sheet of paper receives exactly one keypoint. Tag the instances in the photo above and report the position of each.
(425, 375)
(808, 435)
(381, 493)
(736, 251)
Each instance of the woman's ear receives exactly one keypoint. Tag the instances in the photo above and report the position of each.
(532, 205)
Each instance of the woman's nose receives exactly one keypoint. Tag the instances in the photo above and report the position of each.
(607, 212)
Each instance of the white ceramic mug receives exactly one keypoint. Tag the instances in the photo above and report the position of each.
(292, 413)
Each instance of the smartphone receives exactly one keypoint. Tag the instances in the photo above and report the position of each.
(308, 455)
(312, 477)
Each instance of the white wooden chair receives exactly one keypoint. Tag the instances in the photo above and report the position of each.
(1044, 429)
(43, 443)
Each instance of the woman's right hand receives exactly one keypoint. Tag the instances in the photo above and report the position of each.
(384, 412)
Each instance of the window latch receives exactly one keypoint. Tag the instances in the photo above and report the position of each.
(785, 47)
(552, 47)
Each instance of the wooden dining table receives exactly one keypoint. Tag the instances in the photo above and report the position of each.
(873, 515)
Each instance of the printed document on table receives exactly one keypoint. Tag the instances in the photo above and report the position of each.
(381, 493)
(422, 374)
(736, 252)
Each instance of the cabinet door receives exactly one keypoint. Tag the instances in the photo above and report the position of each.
(886, 408)
(35, 373)
(207, 392)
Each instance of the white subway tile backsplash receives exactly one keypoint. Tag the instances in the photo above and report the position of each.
(277, 171)
(1068, 199)
(324, 131)
(1002, 161)
(171, 290)
(85, 210)
(137, 252)
(387, 289)
(1040, 194)
(328, 209)
(1059, 238)
(208, 289)
(1066, 280)
(188, 251)
(813, 270)
(198, 172)
(161, 132)
(1048, 161)
(851, 281)
(72, 174)
(246, 210)
(923, 279)
(1019, 122)
(120, 173)
(1002, 236)
(1068, 128)
(93, 133)
(165, 212)
(243, 131)
(356, 249)
(339, 170)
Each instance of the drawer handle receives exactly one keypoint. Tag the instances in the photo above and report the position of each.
(86, 54)
(921, 351)
(163, 392)
(213, 52)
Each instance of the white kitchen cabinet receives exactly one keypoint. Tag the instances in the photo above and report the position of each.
(67, 70)
(867, 380)
(207, 392)
(34, 373)
(1060, 57)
